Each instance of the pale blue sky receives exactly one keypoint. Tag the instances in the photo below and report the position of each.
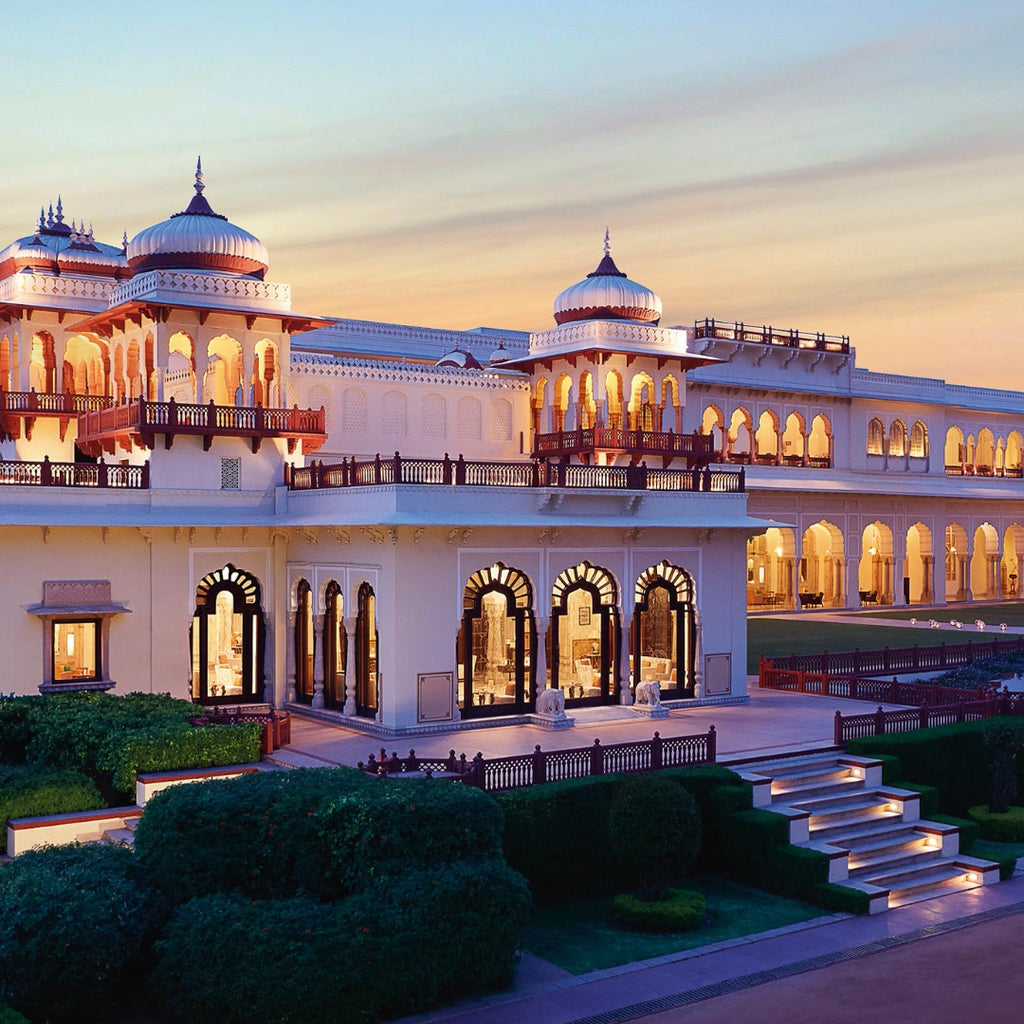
(851, 168)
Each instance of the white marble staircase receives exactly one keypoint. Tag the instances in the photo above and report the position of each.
(872, 834)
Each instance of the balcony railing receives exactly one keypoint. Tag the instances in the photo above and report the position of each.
(695, 447)
(458, 472)
(35, 403)
(141, 420)
(74, 474)
(737, 331)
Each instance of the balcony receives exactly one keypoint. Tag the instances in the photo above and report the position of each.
(736, 331)
(696, 448)
(19, 410)
(458, 472)
(74, 474)
(137, 424)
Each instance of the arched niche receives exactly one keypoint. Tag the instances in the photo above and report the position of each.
(664, 630)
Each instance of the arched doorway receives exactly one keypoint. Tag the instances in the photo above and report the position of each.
(335, 646)
(713, 423)
(794, 440)
(495, 643)
(227, 638)
(664, 630)
(956, 563)
(918, 569)
(954, 452)
(740, 436)
(367, 644)
(585, 635)
(770, 558)
(303, 640)
(984, 563)
(875, 570)
(821, 566)
(819, 442)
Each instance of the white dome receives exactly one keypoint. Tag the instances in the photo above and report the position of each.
(607, 294)
(198, 239)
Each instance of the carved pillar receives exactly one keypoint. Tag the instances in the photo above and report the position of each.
(350, 667)
(540, 657)
(318, 660)
(290, 669)
(963, 591)
(625, 694)
(927, 568)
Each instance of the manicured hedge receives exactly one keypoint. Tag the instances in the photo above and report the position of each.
(680, 911)
(397, 948)
(8, 1015)
(953, 758)
(27, 791)
(257, 834)
(999, 828)
(75, 920)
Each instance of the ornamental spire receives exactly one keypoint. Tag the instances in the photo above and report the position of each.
(607, 242)
(199, 186)
(60, 211)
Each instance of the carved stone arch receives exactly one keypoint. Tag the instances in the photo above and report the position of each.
(664, 642)
(335, 644)
(876, 436)
(496, 639)
(227, 638)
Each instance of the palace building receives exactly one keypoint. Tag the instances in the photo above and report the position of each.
(205, 492)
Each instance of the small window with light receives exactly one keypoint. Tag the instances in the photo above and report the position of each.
(76, 650)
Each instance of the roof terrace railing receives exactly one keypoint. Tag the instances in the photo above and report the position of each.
(559, 473)
(739, 331)
(61, 403)
(74, 474)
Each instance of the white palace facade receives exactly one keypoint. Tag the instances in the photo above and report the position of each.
(205, 492)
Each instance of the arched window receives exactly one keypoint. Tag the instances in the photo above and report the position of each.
(898, 438)
(819, 442)
(876, 437)
(367, 644)
(227, 638)
(793, 439)
(766, 440)
(303, 640)
(335, 647)
(918, 440)
(664, 630)
(495, 643)
(585, 635)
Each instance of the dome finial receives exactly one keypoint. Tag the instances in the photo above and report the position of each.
(60, 211)
(607, 242)
(199, 186)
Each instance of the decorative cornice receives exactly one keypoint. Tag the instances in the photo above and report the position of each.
(313, 365)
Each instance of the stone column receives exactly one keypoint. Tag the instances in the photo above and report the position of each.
(318, 661)
(625, 694)
(927, 567)
(539, 655)
(350, 666)
(290, 669)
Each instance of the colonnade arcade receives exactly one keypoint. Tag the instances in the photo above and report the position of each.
(126, 369)
(772, 440)
(502, 664)
(785, 571)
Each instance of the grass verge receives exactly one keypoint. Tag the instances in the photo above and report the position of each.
(579, 937)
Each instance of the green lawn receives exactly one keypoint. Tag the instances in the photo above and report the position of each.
(991, 614)
(775, 638)
(579, 937)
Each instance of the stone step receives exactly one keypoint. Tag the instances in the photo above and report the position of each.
(789, 792)
(830, 803)
(939, 880)
(893, 860)
(885, 835)
(119, 837)
(857, 823)
(794, 767)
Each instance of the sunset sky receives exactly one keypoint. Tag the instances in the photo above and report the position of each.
(853, 168)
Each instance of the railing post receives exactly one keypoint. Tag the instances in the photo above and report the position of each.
(376, 469)
(917, 657)
(101, 474)
(922, 717)
(211, 415)
(460, 471)
(856, 659)
(837, 730)
(539, 774)
(145, 474)
(893, 692)
(535, 474)
(596, 758)
(398, 468)
(854, 681)
(45, 472)
(942, 654)
(879, 721)
(479, 774)
(446, 469)
(656, 752)
(712, 745)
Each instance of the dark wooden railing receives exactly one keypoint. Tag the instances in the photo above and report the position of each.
(74, 474)
(879, 722)
(520, 770)
(173, 417)
(61, 403)
(654, 442)
(898, 659)
(458, 472)
(275, 726)
(737, 331)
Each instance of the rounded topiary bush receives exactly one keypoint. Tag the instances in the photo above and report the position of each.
(1005, 827)
(680, 911)
(654, 828)
(30, 790)
(75, 921)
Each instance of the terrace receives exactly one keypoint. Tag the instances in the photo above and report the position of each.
(696, 448)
